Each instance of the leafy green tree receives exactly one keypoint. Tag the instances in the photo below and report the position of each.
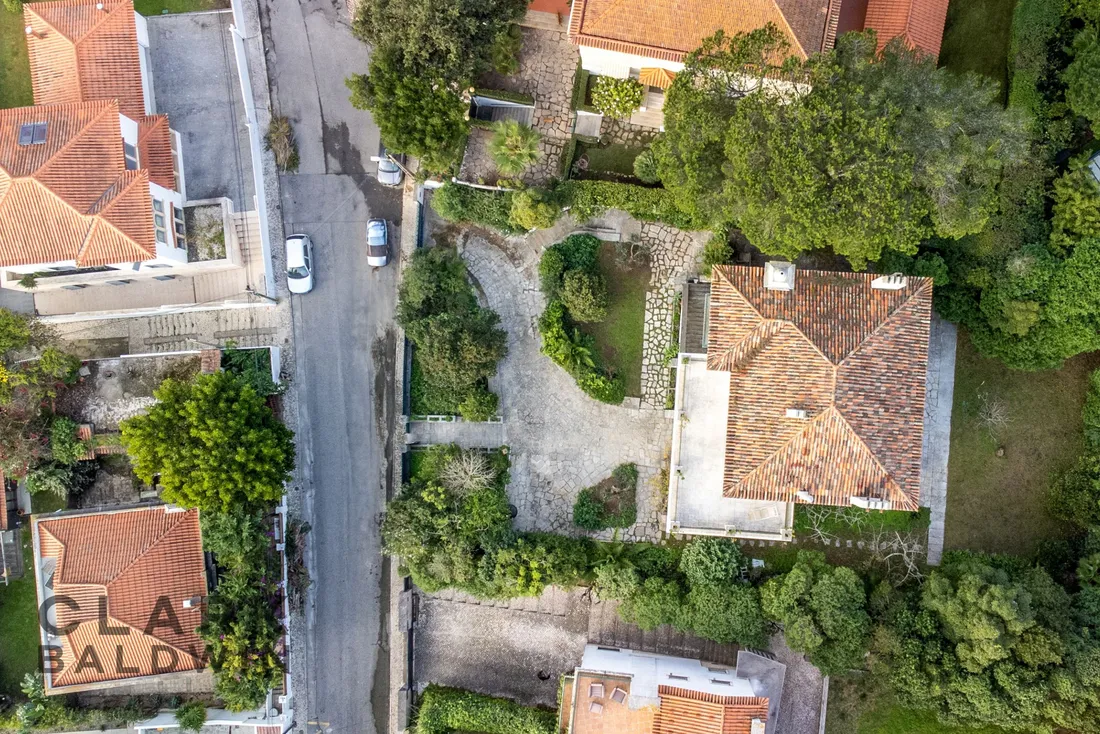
(584, 295)
(1080, 77)
(479, 405)
(514, 147)
(711, 562)
(459, 350)
(1076, 204)
(690, 153)
(66, 448)
(725, 613)
(617, 98)
(657, 601)
(51, 477)
(212, 443)
(191, 716)
(531, 210)
(416, 114)
(15, 331)
(823, 612)
(239, 538)
(241, 635)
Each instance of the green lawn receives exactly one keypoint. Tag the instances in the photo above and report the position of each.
(44, 502)
(998, 503)
(18, 626)
(15, 71)
(157, 7)
(860, 705)
(614, 158)
(619, 336)
(976, 38)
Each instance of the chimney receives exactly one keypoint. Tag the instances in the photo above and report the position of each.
(806, 497)
(892, 282)
(798, 413)
(99, 6)
(779, 276)
(192, 603)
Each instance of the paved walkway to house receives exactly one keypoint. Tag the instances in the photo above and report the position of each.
(939, 399)
(466, 435)
(800, 705)
(547, 65)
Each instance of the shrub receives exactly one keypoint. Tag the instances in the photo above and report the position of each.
(66, 448)
(657, 601)
(191, 716)
(280, 141)
(717, 251)
(580, 86)
(617, 98)
(504, 53)
(725, 613)
(531, 211)
(458, 203)
(1034, 25)
(584, 296)
(588, 511)
(603, 387)
(1080, 77)
(626, 476)
(1077, 203)
(52, 477)
(645, 167)
(479, 405)
(711, 562)
(29, 281)
(589, 199)
(614, 581)
(254, 367)
(551, 270)
(443, 710)
(514, 147)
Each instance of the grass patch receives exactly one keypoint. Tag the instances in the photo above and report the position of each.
(976, 38)
(861, 705)
(614, 158)
(162, 7)
(999, 503)
(46, 502)
(19, 625)
(619, 336)
(853, 521)
(15, 70)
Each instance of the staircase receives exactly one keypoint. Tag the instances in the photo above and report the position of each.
(694, 318)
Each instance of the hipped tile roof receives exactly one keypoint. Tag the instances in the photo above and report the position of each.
(853, 357)
(919, 22)
(685, 711)
(72, 198)
(134, 559)
(79, 53)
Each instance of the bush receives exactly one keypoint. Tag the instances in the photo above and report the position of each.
(1076, 203)
(254, 367)
(1034, 26)
(603, 387)
(280, 141)
(458, 203)
(584, 296)
(444, 710)
(191, 716)
(52, 477)
(580, 86)
(645, 167)
(531, 211)
(479, 405)
(66, 448)
(725, 613)
(717, 251)
(514, 147)
(504, 53)
(609, 504)
(590, 199)
(711, 562)
(588, 511)
(1082, 75)
(617, 98)
(657, 601)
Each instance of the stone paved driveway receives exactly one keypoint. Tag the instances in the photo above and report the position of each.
(561, 440)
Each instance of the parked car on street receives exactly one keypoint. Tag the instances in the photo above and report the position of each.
(299, 263)
(389, 172)
(378, 243)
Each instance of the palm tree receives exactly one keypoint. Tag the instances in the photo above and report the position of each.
(573, 354)
(513, 147)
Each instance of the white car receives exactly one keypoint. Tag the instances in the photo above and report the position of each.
(378, 243)
(299, 263)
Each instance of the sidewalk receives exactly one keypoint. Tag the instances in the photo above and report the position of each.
(466, 435)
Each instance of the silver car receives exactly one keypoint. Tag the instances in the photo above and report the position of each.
(389, 172)
(299, 263)
(378, 243)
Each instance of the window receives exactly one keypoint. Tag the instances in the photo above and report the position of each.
(159, 224)
(673, 676)
(181, 231)
(32, 133)
(131, 154)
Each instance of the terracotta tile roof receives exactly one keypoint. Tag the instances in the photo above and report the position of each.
(691, 712)
(79, 53)
(853, 357)
(155, 150)
(919, 22)
(71, 198)
(3, 503)
(669, 29)
(656, 77)
(134, 558)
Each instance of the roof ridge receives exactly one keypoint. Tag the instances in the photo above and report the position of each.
(787, 23)
(152, 545)
(106, 16)
(851, 429)
(820, 417)
(889, 317)
(105, 105)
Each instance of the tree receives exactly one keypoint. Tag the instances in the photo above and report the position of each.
(617, 98)
(1080, 77)
(66, 448)
(239, 538)
(51, 477)
(879, 152)
(690, 153)
(514, 147)
(584, 295)
(645, 167)
(531, 210)
(657, 601)
(416, 114)
(822, 610)
(711, 561)
(191, 716)
(725, 613)
(211, 443)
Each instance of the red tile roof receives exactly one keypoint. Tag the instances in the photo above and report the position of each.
(79, 53)
(685, 711)
(3, 503)
(135, 559)
(853, 357)
(71, 198)
(919, 22)
(155, 150)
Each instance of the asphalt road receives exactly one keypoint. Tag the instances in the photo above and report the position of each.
(343, 334)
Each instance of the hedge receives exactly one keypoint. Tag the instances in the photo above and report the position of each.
(1034, 25)
(444, 710)
(458, 203)
(589, 199)
(505, 96)
(580, 87)
(568, 153)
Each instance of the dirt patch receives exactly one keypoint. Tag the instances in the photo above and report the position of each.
(115, 484)
(205, 232)
(116, 389)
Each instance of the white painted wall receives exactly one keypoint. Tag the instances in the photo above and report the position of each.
(616, 64)
(649, 670)
(169, 251)
(129, 130)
